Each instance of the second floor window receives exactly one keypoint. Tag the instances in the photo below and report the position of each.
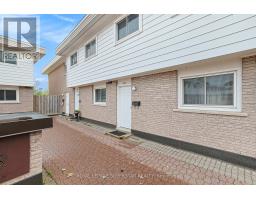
(128, 25)
(90, 49)
(8, 57)
(73, 59)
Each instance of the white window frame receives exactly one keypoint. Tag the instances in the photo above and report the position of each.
(237, 93)
(102, 86)
(96, 46)
(6, 63)
(130, 35)
(11, 88)
(76, 59)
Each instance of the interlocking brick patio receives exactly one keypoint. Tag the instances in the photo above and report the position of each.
(75, 153)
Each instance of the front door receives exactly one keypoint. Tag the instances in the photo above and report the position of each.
(67, 103)
(124, 107)
(77, 99)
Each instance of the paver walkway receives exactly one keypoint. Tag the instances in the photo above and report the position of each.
(78, 154)
(74, 157)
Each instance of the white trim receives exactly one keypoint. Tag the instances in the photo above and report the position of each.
(122, 83)
(67, 103)
(96, 46)
(11, 88)
(211, 112)
(4, 59)
(77, 95)
(130, 35)
(76, 58)
(99, 86)
(237, 70)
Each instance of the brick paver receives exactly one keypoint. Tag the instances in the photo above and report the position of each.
(75, 157)
(95, 158)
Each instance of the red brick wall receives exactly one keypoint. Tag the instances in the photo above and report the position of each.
(57, 81)
(25, 104)
(158, 96)
(106, 113)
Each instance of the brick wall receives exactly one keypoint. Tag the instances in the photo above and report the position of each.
(71, 100)
(35, 158)
(158, 96)
(106, 113)
(25, 105)
(57, 81)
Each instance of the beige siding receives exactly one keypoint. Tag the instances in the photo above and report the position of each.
(106, 113)
(158, 96)
(25, 104)
(57, 81)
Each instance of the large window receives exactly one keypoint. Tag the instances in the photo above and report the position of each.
(90, 49)
(215, 90)
(128, 25)
(73, 59)
(8, 57)
(100, 95)
(8, 95)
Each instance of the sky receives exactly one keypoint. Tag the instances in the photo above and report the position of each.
(53, 29)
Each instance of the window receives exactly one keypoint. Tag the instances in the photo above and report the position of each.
(90, 49)
(216, 90)
(100, 95)
(8, 57)
(73, 59)
(8, 95)
(128, 25)
(1, 56)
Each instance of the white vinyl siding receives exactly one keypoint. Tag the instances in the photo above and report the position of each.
(165, 41)
(17, 72)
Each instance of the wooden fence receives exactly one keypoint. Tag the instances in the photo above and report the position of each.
(47, 105)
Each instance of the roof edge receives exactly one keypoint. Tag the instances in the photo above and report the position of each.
(53, 64)
(79, 27)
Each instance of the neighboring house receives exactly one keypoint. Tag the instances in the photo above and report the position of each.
(20, 130)
(56, 71)
(186, 80)
(16, 79)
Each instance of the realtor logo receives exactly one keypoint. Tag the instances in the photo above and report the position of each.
(20, 33)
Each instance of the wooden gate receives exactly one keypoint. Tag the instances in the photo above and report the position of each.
(48, 105)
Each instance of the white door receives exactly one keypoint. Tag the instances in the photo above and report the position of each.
(77, 99)
(67, 103)
(124, 107)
